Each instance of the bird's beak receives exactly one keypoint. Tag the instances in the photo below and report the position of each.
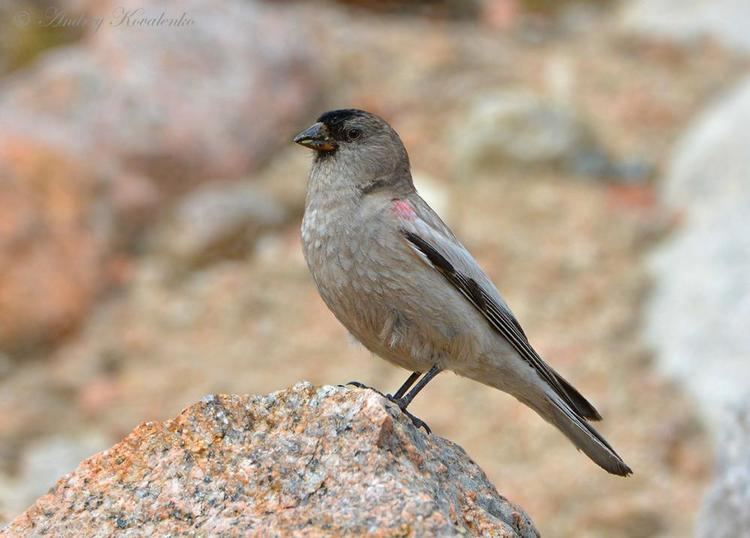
(316, 137)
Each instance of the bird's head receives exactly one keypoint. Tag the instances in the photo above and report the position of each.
(358, 144)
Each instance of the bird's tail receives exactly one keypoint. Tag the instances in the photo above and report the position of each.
(555, 411)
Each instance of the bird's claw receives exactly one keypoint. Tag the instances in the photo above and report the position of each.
(359, 385)
(418, 422)
(400, 402)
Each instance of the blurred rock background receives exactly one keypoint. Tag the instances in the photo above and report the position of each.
(591, 156)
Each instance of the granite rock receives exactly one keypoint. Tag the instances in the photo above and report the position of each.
(42, 462)
(312, 461)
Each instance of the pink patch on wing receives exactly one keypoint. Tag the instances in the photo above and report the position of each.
(404, 209)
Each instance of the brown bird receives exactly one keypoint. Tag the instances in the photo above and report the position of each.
(398, 279)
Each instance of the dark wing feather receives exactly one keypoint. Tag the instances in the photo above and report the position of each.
(502, 320)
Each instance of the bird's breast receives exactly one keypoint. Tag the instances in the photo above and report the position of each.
(337, 250)
(342, 251)
(371, 284)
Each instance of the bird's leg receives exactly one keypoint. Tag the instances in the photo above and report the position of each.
(404, 401)
(408, 383)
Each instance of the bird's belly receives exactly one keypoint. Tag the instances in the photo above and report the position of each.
(386, 299)
(389, 319)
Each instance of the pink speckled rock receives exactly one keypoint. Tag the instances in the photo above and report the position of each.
(305, 461)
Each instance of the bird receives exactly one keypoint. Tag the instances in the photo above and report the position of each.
(404, 286)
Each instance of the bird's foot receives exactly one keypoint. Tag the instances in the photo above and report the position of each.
(362, 386)
(401, 403)
(418, 422)
(356, 384)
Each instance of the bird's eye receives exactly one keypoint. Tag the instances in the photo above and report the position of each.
(353, 134)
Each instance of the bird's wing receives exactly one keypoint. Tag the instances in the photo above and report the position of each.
(436, 246)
